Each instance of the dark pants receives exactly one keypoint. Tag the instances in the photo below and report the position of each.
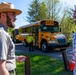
(31, 46)
(12, 72)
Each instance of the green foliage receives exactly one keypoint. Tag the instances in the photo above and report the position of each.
(53, 9)
(10, 30)
(43, 65)
(67, 27)
(33, 11)
(43, 11)
(67, 22)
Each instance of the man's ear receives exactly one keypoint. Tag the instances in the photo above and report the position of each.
(3, 15)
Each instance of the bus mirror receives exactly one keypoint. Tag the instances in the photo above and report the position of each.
(60, 29)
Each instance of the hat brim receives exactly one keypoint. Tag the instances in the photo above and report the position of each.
(11, 10)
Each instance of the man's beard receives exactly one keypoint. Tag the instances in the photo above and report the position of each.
(9, 23)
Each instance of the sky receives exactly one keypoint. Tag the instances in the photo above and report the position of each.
(24, 5)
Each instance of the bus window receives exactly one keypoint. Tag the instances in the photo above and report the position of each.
(56, 28)
(23, 30)
(16, 32)
(33, 29)
(51, 29)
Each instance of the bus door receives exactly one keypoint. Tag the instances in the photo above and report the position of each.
(35, 32)
(36, 35)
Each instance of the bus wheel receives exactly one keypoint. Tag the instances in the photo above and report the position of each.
(24, 43)
(44, 47)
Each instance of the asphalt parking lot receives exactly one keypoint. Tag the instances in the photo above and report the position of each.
(58, 55)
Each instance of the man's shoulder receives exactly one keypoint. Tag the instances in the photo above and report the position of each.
(3, 32)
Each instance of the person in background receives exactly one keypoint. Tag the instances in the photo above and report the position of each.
(74, 52)
(7, 48)
(74, 44)
(30, 41)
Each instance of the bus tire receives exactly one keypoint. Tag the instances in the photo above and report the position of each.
(44, 46)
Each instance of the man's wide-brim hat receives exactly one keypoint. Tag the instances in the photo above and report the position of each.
(8, 7)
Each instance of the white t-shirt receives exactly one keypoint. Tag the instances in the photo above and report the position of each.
(7, 49)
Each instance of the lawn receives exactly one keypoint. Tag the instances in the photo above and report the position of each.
(43, 65)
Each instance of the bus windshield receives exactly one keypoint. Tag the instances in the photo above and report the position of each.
(51, 29)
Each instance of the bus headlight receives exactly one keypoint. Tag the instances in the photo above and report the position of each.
(52, 41)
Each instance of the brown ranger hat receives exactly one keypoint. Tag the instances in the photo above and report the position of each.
(8, 7)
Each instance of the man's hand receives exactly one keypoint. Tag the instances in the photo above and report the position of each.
(21, 58)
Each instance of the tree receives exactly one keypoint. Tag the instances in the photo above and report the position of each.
(53, 9)
(33, 11)
(43, 11)
(67, 24)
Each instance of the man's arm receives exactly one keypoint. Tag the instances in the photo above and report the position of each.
(3, 70)
(20, 58)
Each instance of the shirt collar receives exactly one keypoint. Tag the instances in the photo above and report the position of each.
(1, 25)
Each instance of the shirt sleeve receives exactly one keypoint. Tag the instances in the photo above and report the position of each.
(3, 46)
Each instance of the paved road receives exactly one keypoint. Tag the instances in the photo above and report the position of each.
(58, 55)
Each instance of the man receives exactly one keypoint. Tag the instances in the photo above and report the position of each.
(7, 49)
(30, 41)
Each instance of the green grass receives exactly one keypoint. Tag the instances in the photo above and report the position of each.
(43, 65)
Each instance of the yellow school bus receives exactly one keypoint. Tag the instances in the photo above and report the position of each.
(46, 35)
(15, 35)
